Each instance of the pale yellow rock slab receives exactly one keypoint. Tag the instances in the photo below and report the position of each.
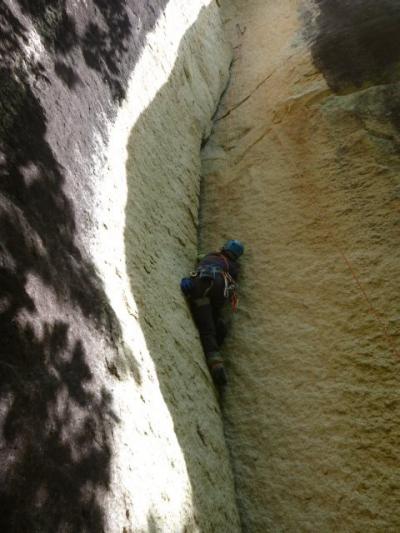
(171, 469)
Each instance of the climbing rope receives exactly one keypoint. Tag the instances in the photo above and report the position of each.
(230, 290)
(374, 312)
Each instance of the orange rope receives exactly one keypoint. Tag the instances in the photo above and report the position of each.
(372, 309)
(349, 265)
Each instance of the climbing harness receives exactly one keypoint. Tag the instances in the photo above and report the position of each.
(207, 272)
(210, 272)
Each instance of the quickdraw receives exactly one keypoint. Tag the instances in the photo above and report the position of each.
(230, 290)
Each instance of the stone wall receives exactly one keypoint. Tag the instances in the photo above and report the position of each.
(109, 421)
(303, 166)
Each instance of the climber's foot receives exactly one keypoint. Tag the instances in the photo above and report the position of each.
(219, 375)
(216, 367)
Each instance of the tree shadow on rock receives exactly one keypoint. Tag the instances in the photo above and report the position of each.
(110, 38)
(55, 444)
(56, 419)
(55, 451)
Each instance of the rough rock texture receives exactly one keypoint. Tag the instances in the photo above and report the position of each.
(303, 165)
(108, 417)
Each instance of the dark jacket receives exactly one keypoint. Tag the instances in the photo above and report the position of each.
(223, 261)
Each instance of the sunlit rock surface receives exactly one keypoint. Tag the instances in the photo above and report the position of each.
(109, 421)
(303, 165)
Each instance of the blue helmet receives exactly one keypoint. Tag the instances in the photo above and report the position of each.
(235, 247)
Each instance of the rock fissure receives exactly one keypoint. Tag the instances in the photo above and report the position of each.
(227, 113)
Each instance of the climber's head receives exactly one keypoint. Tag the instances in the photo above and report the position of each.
(233, 248)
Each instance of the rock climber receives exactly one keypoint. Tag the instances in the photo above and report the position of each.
(210, 287)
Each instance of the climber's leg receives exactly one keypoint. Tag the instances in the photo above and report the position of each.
(204, 320)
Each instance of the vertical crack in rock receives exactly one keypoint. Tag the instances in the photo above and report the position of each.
(204, 142)
(260, 84)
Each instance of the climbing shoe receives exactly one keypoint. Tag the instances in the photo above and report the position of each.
(219, 375)
(216, 366)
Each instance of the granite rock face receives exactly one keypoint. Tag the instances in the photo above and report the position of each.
(304, 159)
(109, 421)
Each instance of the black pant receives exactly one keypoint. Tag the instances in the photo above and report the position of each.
(207, 300)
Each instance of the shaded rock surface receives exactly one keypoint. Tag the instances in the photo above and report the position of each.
(108, 417)
(303, 165)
